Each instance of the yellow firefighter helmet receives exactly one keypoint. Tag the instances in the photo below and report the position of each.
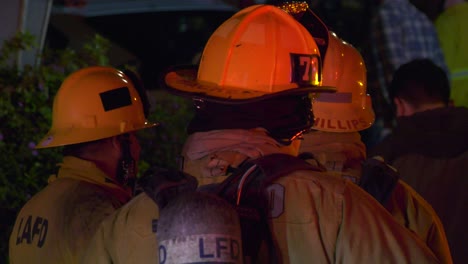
(258, 53)
(94, 103)
(350, 108)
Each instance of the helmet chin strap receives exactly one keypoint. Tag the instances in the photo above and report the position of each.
(126, 167)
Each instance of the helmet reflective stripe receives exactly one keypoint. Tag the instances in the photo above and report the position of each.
(335, 98)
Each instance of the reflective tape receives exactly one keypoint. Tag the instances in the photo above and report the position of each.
(459, 74)
(335, 98)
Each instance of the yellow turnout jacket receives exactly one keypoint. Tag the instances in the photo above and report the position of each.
(315, 219)
(56, 224)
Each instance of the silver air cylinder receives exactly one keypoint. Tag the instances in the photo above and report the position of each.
(199, 227)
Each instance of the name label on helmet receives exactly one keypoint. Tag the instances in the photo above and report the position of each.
(203, 248)
(116, 98)
(345, 125)
(305, 69)
(32, 230)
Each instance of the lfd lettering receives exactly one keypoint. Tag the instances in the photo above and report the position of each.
(226, 246)
(28, 230)
(340, 124)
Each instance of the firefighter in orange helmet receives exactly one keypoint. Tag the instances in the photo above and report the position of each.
(251, 94)
(95, 115)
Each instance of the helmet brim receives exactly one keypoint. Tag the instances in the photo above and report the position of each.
(70, 136)
(182, 80)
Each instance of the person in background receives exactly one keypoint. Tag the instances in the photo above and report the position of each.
(95, 115)
(399, 33)
(452, 30)
(429, 146)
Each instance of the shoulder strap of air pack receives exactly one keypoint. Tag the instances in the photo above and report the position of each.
(245, 189)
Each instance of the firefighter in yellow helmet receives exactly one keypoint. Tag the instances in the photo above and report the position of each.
(336, 143)
(251, 94)
(96, 112)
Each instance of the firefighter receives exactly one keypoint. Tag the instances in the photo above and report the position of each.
(251, 95)
(95, 115)
(336, 143)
